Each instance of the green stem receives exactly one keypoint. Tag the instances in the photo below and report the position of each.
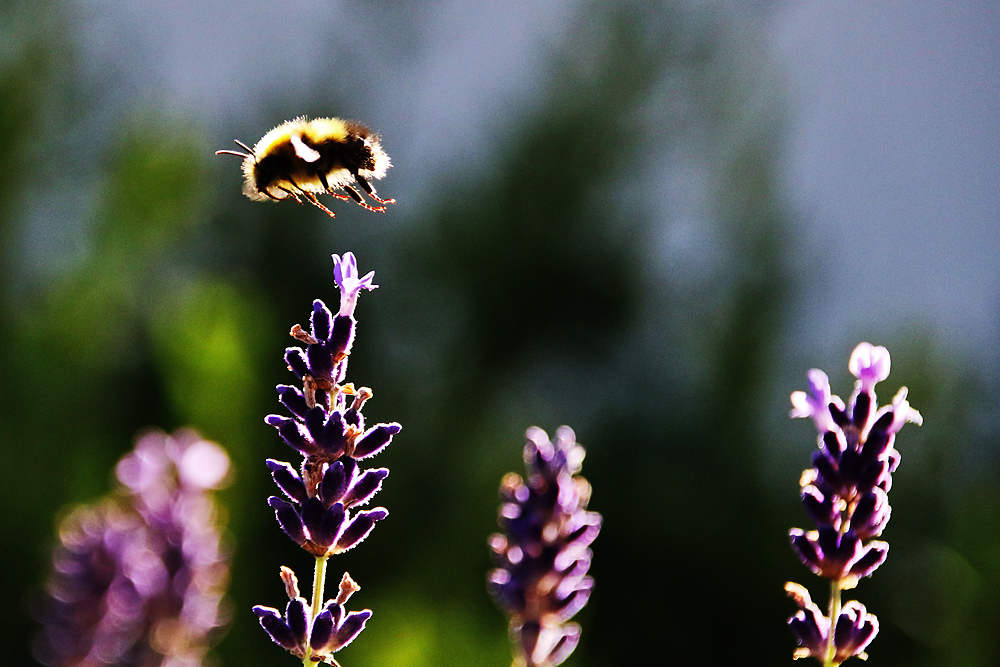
(835, 606)
(319, 584)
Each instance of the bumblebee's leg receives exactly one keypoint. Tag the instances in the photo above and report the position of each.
(366, 186)
(310, 197)
(361, 202)
(291, 194)
(315, 202)
(326, 186)
(297, 191)
(353, 194)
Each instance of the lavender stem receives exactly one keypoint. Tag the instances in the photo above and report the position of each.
(835, 607)
(319, 586)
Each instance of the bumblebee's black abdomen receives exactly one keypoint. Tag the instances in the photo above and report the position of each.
(351, 154)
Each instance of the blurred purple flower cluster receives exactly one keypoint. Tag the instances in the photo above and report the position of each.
(138, 578)
(319, 498)
(543, 554)
(846, 495)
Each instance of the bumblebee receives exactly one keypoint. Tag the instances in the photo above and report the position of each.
(303, 158)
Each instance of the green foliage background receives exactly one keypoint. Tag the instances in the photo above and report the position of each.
(528, 290)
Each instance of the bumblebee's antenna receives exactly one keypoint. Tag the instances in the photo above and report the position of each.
(249, 151)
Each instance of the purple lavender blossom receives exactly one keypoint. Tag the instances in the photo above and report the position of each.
(846, 495)
(543, 554)
(319, 505)
(138, 578)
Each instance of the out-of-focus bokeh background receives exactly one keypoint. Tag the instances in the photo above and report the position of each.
(644, 220)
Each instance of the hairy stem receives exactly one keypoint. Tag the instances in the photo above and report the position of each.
(835, 605)
(319, 584)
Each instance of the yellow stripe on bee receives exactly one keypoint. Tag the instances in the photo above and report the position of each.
(316, 131)
(325, 129)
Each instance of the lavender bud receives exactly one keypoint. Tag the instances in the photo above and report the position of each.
(375, 440)
(351, 627)
(320, 360)
(366, 486)
(810, 627)
(330, 526)
(296, 360)
(277, 628)
(856, 628)
(322, 631)
(289, 519)
(334, 484)
(342, 336)
(287, 480)
(361, 525)
(297, 618)
(293, 399)
(321, 321)
(293, 433)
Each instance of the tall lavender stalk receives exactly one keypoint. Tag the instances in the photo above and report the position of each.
(138, 578)
(319, 508)
(543, 554)
(846, 496)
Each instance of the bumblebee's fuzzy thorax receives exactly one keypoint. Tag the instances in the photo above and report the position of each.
(306, 158)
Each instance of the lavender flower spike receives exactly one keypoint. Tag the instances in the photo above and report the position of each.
(543, 554)
(319, 505)
(138, 578)
(846, 495)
